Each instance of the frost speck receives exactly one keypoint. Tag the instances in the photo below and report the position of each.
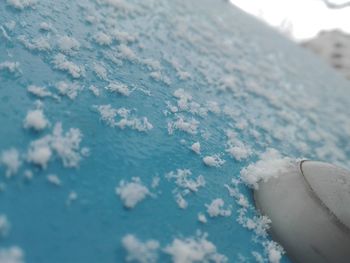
(21, 4)
(70, 90)
(216, 208)
(189, 126)
(67, 44)
(194, 249)
(183, 179)
(11, 67)
(119, 88)
(138, 251)
(65, 145)
(202, 218)
(4, 225)
(61, 62)
(36, 120)
(132, 192)
(196, 147)
(109, 115)
(54, 179)
(213, 161)
(11, 160)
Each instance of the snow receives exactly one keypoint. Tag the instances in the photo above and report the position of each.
(36, 120)
(131, 193)
(67, 44)
(100, 71)
(68, 89)
(138, 251)
(65, 145)
(94, 90)
(183, 180)
(38, 44)
(54, 179)
(4, 226)
(103, 39)
(180, 200)
(274, 252)
(213, 161)
(10, 66)
(236, 148)
(11, 160)
(216, 208)
(28, 174)
(202, 218)
(108, 115)
(194, 249)
(61, 62)
(21, 4)
(189, 126)
(40, 92)
(119, 88)
(39, 153)
(11, 255)
(196, 147)
(271, 164)
(126, 53)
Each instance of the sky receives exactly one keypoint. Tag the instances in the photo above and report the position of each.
(301, 19)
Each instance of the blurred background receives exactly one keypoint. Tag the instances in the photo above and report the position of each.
(322, 26)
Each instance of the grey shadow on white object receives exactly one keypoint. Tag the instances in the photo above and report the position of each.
(309, 207)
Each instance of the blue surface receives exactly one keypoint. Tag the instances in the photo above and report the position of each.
(280, 90)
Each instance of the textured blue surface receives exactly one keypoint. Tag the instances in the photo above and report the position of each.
(256, 76)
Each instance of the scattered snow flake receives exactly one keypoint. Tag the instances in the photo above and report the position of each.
(274, 251)
(132, 192)
(216, 208)
(189, 126)
(119, 88)
(4, 226)
(40, 92)
(236, 148)
(202, 218)
(36, 120)
(138, 251)
(54, 179)
(67, 44)
(61, 62)
(103, 39)
(108, 115)
(155, 182)
(44, 26)
(10, 66)
(11, 160)
(183, 180)
(196, 147)
(213, 107)
(68, 89)
(21, 4)
(213, 161)
(38, 44)
(185, 103)
(258, 257)
(94, 90)
(66, 146)
(271, 164)
(28, 174)
(100, 71)
(159, 76)
(126, 53)
(39, 153)
(72, 196)
(124, 37)
(194, 249)
(180, 200)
